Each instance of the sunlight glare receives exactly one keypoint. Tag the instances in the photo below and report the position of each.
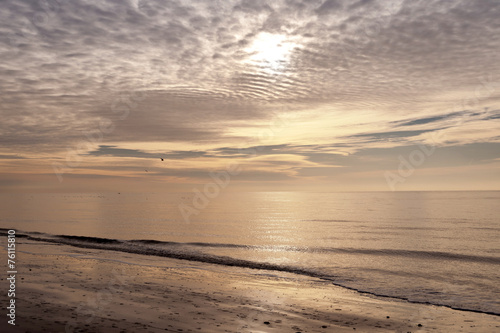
(271, 50)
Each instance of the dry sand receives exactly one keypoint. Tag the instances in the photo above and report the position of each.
(65, 289)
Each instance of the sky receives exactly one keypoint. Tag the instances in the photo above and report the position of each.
(249, 95)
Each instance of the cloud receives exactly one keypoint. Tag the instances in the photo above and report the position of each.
(453, 116)
(321, 156)
(113, 151)
(105, 150)
(428, 120)
(253, 150)
(363, 74)
(245, 175)
(11, 157)
(495, 114)
(328, 6)
(390, 135)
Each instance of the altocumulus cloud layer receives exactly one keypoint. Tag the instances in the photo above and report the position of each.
(340, 89)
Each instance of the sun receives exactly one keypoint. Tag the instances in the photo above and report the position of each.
(271, 51)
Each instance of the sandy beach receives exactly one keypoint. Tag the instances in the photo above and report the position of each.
(66, 289)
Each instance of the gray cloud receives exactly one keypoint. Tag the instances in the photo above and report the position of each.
(428, 120)
(390, 135)
(364, 159)
(329, 6)
(495, 114)
(11, 157)
(245, 175)
(68, 64)
(105, 150)
(223, 152)
(254, 150)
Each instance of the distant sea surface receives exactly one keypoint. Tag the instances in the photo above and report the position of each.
(440, 248)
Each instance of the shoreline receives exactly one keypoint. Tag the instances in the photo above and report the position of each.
(66, 289)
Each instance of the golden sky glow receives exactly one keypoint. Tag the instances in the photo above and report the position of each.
(302, 95)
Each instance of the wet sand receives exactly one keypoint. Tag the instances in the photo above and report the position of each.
(65, 289)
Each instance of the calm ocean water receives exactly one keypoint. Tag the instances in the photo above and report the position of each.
(436, 247)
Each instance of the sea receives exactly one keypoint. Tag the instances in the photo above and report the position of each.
(440, 248)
